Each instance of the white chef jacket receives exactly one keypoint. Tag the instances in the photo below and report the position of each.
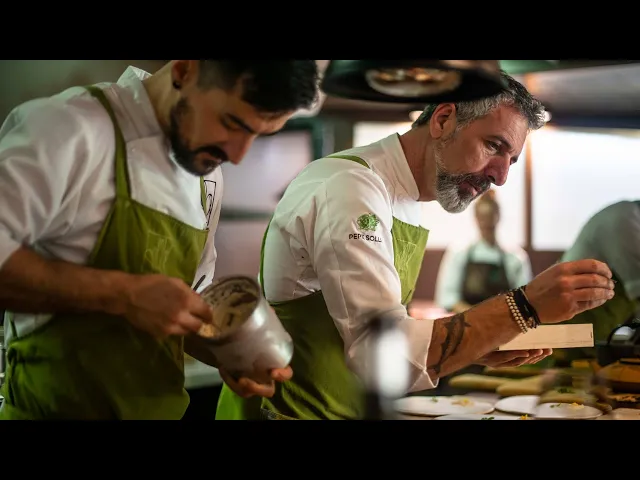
(308, 247)
(613, 236)
(57, 174)
(517, 266)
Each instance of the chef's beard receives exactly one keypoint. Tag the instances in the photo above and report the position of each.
(184, 156)
(448, 192)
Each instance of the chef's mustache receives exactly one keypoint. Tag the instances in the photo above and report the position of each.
(212, 151)
(479, 182)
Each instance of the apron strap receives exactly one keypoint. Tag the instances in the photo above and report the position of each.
(122, 174)
(264, 241)
(353, 158)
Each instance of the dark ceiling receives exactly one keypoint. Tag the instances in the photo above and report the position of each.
(605, 88)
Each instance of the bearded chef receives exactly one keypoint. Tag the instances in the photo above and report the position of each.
(109, 202)
(346, 244)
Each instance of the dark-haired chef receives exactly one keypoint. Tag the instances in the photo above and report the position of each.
(109, 201)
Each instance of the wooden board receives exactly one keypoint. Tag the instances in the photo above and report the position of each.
(553, 336)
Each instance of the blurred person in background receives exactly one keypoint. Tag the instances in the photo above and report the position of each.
(346, 244)
(469, 275)
(612, 235)
(106, 228)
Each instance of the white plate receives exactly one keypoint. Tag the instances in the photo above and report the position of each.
(475, 416)
(437, 406)
(566, 411)
(518, 404)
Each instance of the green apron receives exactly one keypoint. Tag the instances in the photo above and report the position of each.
(323, 387)
(100, 367)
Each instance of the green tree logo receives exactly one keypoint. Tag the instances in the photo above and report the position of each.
(368, 222)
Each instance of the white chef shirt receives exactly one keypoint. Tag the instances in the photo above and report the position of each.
(613, 236)
(517, 266)
(57, 173)
(308, 247)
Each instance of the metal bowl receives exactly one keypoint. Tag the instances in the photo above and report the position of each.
(245, 337)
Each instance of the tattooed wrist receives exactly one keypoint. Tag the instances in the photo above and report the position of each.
(455, 328)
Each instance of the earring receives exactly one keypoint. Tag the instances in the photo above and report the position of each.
(176, 85)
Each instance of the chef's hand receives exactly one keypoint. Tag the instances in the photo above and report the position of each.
(566, 289)
(513, 358)
(246, 388)
(164, 306)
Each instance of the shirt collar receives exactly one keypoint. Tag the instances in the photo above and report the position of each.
(136, 103)
(404, 177)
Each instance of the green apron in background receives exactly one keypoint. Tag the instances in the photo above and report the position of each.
(97, 366)
(604, 319)
(323, 387)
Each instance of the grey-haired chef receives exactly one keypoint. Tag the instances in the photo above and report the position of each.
(346, 244)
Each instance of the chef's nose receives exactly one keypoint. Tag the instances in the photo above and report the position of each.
(497, 173)
(239, 148)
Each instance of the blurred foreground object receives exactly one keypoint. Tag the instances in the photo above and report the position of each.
(387, 375)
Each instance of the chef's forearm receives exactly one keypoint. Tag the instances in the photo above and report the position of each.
(460, 307)
(30, 283)
(459, 340)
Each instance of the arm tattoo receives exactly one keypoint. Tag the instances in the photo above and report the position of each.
(455, 326)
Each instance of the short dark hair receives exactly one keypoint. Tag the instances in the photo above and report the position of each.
(273, 86)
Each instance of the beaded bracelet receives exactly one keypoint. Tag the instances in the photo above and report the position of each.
(515, 312)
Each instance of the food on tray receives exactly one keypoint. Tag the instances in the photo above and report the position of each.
(472, 381)
(526, 386)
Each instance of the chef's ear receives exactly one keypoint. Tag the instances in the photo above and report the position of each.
(443, 120)
(183, 72)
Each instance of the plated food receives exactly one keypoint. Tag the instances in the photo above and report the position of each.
(519, 404)
(442, 405)
(566, 411)
(472, 416)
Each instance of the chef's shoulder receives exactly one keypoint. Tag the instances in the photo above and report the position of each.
(340, 178)
(71, 119)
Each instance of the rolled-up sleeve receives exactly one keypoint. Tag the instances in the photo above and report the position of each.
(356, 269)
(38, 145)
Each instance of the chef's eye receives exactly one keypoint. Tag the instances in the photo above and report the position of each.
(493, 145)
(230, 125)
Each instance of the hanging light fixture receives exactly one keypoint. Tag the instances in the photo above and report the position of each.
(412, 81)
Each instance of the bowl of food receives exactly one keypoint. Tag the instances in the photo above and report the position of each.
(244, 336)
